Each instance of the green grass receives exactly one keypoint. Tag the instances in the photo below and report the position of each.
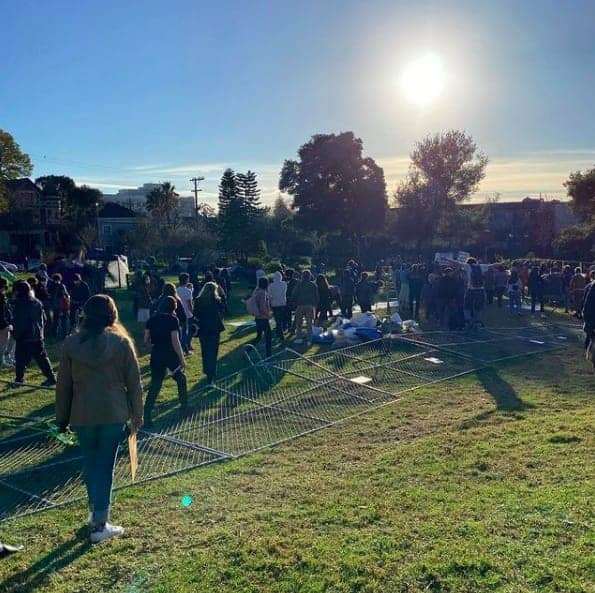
(478, 484)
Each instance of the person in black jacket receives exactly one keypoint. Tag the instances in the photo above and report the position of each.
(28, 324)
(79, 295)
(5, 320)
(163, 333)
(347, 294)
(365, 292)
(589, 317)
(208, 310)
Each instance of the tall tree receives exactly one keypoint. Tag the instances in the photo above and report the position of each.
(56, 185)
(228, 190)
(446, 169)
(249, 192)
(162, 202)
(581, 190)
(334, 187)
(14, 163)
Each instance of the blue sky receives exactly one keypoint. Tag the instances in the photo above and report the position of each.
(118, 93)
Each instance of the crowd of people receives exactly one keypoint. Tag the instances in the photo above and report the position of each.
(99, 389)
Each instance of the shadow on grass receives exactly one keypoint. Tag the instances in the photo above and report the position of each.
(505, 397)
(37, 574)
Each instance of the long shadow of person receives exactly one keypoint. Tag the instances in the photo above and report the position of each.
(34, 577)
(505, 397)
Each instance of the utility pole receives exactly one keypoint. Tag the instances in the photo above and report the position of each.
(196, 181)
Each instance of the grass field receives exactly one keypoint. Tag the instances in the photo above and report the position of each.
(483, 483)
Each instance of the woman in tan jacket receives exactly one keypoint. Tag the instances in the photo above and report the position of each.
(98, 391)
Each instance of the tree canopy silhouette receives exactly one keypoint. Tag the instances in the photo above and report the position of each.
(334, 187)
(446, 169)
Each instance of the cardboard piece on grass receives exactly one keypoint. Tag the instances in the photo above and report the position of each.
(361, 380)
(434, 360)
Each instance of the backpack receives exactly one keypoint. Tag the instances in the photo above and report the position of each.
(251, 306)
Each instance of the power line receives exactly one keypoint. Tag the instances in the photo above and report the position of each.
(195, 191)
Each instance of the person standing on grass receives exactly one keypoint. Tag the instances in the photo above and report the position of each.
(28, 320)
(208, 313)
(306, 300)
(292, 283)
(577, 289)
(80, 294)
(588, 313)
(5, 326)
(536, 288)
(99, 390)
(184, 293)
(262, 315)
(500, 284)
(347, 294)
(324, 309)
(278, 296)
(163, 334)
(364, 293)
(515, 293)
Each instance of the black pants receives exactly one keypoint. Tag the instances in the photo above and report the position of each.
(209, 348)
(159, 367)
(365, 307)
(347, 306)
(25, 352)
(264, 327)
(280, 315)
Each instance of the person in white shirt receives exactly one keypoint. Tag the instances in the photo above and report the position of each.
(185, 294)
(278, 295)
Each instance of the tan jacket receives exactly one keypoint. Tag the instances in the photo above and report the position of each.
(98, 381)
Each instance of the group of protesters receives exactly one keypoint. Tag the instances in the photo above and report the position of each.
(451, 292)
(297, 300)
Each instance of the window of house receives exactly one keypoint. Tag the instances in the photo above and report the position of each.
(107, 230)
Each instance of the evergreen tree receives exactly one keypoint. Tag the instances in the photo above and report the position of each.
(228, 190)
(249, 192)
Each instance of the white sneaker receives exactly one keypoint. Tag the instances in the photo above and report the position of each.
(106, 533)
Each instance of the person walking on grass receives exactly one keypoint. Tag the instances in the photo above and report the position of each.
(262, 314)
(79, 294)
(169, 291)
(163, 334)
(208, 313)
(28, 322)
(292, 283)
(278, 295)
(306, 300)
(99, 390)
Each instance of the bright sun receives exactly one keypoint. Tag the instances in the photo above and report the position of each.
(423, 80)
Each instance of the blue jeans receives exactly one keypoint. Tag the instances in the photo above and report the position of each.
(99, 447)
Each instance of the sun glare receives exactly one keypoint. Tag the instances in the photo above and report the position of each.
(423, 80)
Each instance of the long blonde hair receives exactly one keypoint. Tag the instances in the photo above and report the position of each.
(101, 315)
(210, 291)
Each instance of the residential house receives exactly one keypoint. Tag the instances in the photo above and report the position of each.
(32, 221)
(114, 220)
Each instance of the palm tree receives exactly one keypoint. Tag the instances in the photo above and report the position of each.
(163, 201)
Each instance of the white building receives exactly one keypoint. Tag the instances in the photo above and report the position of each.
(135, 199)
